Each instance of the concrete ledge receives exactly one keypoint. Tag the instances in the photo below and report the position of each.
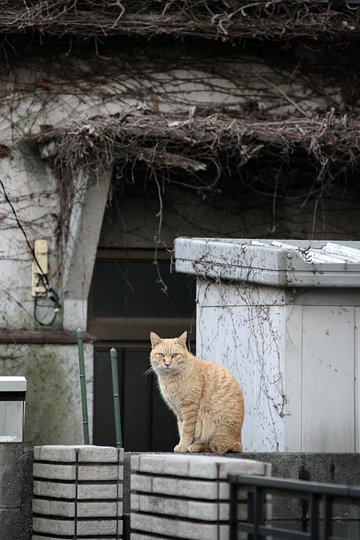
(196, 466)
(79, 453)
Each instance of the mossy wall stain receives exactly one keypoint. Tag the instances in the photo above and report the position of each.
(53, 401)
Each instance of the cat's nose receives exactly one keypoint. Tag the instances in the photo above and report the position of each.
(166, 362)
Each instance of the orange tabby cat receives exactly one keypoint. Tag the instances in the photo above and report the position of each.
(205, 396)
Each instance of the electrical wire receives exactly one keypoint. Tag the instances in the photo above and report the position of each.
(51, 293)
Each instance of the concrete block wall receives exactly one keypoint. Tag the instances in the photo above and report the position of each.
(184, 496)
(77, 492)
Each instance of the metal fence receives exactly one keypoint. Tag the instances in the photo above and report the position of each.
(320, 497)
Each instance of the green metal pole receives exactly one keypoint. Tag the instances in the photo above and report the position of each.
(80, 342)
(116, 395)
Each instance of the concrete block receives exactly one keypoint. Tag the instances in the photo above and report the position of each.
(99, 527)
(186, 530)
(196, 466)
(178, 467)
(164, 464)
(97, 472)
(60, 453)
(82, 491)
(197, 489)
(54, 471)
(184, 508)
(100, 454)
(54, 489)
(47, 507)
(68, 527)
(140, 482)
(97, 509)
(99, 491)
(134, 462)
(111, 509)
(82, 453)
(65, 527)
(220, 467)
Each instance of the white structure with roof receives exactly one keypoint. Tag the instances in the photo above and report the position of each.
(285, 317)
(12, 408)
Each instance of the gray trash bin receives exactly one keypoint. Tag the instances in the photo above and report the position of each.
(12, 409)
(285, 317)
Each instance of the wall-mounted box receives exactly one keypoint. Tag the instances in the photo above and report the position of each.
(285, 317)
(12, 409)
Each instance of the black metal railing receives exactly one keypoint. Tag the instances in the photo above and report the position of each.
(320, 497)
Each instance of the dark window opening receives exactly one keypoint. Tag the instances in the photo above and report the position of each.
(131, 296)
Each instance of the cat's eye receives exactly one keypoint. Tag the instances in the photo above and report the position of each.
(174, 355)
(160, 355)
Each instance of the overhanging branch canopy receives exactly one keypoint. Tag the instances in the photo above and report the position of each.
(193, 142)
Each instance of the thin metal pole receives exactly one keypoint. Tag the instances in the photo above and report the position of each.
(80, 342)
(328, 516)
(233, 510)
(116, 395)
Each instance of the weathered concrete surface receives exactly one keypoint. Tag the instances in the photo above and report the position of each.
(337, 468)
(15, 491)
(53, 399)
(330, 468)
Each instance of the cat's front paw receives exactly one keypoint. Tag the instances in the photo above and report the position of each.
(181, 448)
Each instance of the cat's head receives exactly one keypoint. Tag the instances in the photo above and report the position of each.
(168, 355)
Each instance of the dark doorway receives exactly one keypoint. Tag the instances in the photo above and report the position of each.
(132, 295)
(147, 424)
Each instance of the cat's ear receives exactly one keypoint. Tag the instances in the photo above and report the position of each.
(155, 339)
(182, 339)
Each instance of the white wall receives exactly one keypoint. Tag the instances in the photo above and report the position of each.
(295, 353)
(243, 327)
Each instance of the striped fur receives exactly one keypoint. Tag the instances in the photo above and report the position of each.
(204, 395)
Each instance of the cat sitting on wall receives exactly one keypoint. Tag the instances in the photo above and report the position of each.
(205, 396)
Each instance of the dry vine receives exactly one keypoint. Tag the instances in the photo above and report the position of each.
(273, 113)
(204, 147)
(194, 141)
(219, 19)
